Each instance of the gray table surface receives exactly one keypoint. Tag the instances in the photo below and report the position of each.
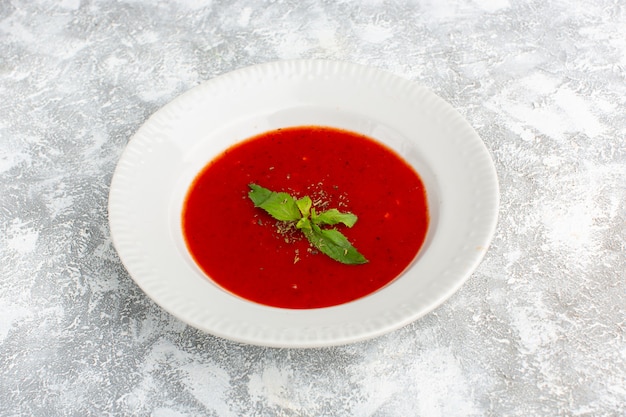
(538, 330)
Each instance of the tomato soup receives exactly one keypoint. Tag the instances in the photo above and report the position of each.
(248, 253)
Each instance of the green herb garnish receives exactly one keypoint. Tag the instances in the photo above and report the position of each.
(331, 242)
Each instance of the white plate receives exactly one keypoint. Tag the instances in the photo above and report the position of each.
(167, 152)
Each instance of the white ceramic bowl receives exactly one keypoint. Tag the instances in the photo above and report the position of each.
(167, 152)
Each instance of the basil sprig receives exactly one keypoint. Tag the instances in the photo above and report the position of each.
(330, 241)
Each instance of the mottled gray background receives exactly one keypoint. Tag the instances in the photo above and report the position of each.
(538, 330)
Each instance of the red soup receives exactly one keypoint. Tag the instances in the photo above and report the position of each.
(248, 253)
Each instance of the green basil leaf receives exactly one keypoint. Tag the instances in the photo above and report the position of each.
(332, 217)
(304, 204)
(303, 224)
(280, 206)
(334, 244)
